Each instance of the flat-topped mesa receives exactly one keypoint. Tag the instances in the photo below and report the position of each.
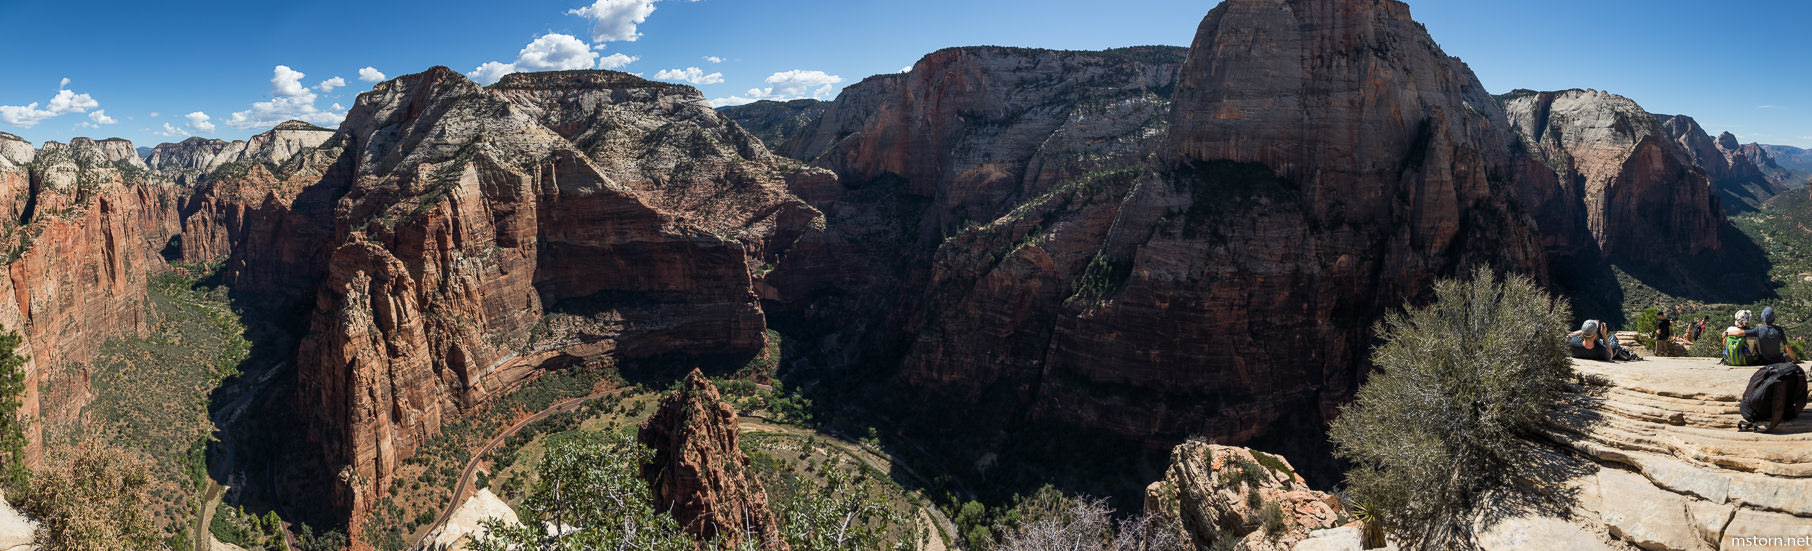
(1635, 179)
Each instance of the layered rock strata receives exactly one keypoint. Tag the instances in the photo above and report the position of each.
(1653, 460)
(1209, 492)
(700, 475)
(1630, 175)
(448, 221)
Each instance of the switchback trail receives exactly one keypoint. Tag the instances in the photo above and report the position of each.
(464, 486)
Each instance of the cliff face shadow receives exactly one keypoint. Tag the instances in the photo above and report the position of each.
(1738, 274)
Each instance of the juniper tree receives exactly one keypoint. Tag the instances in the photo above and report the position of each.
(1458, 382)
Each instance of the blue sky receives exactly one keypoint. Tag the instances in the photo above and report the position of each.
(158, 72)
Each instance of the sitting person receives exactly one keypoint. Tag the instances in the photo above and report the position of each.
(1589, 342)
(1738, 348)
(1770, 340)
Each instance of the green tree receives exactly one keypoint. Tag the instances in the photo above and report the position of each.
(1458, 382)
(842, 514)
(92, 499)
(590, 490)
(12, 428)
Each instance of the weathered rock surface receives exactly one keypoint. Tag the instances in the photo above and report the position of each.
(1208, 492)
(776, 121)
(1792, 166)
(1319, 162)
(700, 475)
(445, 221)
(16, 531)
(1632, 177)
(276, 146)
(1657, 463)
(77, 258)
(466, 524)
(1735, 172)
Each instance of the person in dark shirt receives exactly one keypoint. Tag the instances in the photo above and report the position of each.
(1664, 330)
(1694, 328)
(1770, 339)
(1588, 343)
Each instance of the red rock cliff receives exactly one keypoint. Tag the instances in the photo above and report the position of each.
(463, 217)
(700, 475)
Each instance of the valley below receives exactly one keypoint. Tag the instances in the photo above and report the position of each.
(1131, 292)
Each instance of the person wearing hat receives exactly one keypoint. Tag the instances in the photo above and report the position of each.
(1770, 340)
(1588, 343)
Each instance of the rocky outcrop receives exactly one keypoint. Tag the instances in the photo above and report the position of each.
(15, 151)
(1074, 245)
(776, 121)
(449, 220)
(1650, 457)
(81, 219)
(1793, 165)
(194, 156)
(1633, 179)
(700, 475)
(1220, 496)
(1735, 172)
(466, 526)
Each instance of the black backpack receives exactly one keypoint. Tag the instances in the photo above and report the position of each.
(1759, 404)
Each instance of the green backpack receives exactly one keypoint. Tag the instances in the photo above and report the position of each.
(1736, 350)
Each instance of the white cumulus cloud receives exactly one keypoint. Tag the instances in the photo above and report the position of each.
(64, 103)
(291, 101)
(616, 61)
(199, 122)
(787, 85)
(64, 82)
(287, 82)
(99, 116)
(613, 20)
(714, 59)
(553, 52)
(154, 114)
(370, 74)
(690, 74)
(328, 85)
(170, 131)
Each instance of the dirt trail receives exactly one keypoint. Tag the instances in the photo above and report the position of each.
(463, 489)
(946, 529)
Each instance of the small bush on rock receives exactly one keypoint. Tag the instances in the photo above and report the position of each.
(1458, 382)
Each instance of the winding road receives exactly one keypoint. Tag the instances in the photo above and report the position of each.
(464, 488)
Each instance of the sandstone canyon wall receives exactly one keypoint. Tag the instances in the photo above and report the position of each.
(447, 221)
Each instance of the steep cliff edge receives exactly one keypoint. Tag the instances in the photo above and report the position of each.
(1651, 456)
(776, 121)
(81, 219)
(1212, 269)
(1633, 178)
(475, 232)
(1735, 172)
(699, 473)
